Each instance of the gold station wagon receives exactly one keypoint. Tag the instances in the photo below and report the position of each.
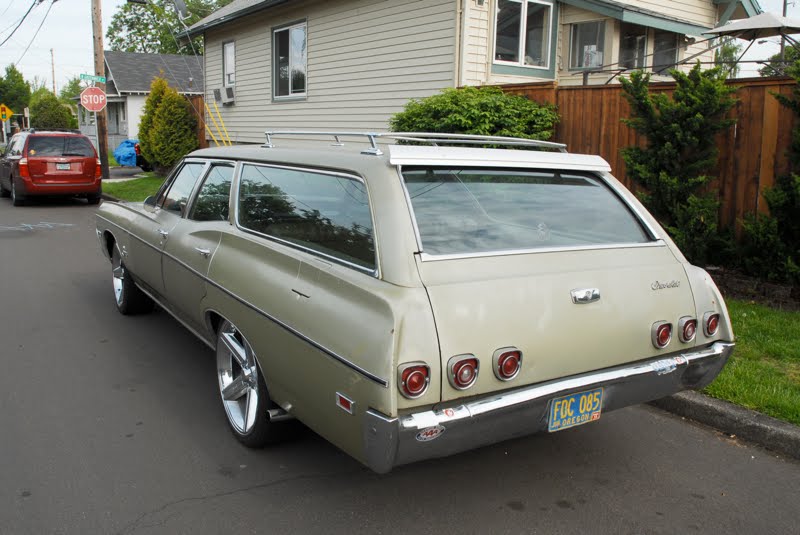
(412, 300)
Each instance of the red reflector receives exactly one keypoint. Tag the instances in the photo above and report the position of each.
(344, 403)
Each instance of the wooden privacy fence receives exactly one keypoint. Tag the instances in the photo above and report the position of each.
(751, 153)
(198, 106)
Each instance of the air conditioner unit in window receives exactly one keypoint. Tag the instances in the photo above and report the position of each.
(225, 95)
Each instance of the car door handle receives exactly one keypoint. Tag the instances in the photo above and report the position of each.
(205, 253)
(164, 234)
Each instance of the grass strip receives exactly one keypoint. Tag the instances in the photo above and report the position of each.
(763, 373)
(135, 190)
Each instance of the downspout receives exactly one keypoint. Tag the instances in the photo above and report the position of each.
(461, 30)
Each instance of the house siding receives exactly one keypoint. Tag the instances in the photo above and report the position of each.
(366, 59)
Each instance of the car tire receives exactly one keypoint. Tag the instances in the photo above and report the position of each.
(93, 199)
(4, 192)
(244, 392)
(16, 199)
(129, 298)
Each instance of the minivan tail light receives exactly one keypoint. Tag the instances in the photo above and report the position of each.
(710, 323)
(462, 371)
(687, 328)
(98, 170)
(413, 379)
(506, 363)
(661, 334)
(24, 172)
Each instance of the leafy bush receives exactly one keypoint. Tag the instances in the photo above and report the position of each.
(157, 89)
(173, 133)
(48, 112)
(480, 111)
(680, 150)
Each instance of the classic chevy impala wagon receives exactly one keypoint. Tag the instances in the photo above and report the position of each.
(409, 301)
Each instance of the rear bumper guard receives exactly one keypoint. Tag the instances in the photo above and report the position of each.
(450, 428)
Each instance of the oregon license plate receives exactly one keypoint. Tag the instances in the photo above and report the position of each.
(575, 409)
(62, 166)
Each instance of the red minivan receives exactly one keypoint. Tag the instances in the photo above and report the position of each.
(45, 163)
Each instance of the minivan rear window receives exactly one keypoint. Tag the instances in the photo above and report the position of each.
(60, 146)
(473, 211)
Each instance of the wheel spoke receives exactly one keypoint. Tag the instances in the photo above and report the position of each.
(118, 272)
(236, 389)
(236, 350)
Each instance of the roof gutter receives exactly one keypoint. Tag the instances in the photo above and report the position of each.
(200, 27)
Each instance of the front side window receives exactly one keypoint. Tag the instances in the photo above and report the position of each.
(474, 211)
(587, 45)
(665, 50)
(229, 64)
(214, 196)
(326, 214)
(522, 34)
(632, 46)
(289, 60)
(175, 197)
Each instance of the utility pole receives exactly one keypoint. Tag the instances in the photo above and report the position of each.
(100, 70)
(783, 40)
(53, 64)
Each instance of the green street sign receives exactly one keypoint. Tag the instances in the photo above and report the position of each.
(93, 78)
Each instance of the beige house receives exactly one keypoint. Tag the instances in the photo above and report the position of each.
(352, 64)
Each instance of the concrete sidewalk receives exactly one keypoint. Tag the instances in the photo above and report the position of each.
(751, 426)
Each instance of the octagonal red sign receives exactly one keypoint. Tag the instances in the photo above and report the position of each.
(93, 99)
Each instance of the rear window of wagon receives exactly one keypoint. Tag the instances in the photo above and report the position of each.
(473, 210)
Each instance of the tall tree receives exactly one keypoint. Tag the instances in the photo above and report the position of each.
(71, 89)
(776, 67)
(15, 92)
(48, 112)
(726, 57)
(153, 27)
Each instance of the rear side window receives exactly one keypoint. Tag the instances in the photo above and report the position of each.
(472, 211)
(60, 146)
(325, 213)
(212, 201)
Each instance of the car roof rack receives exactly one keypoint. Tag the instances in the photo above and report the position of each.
(434, 139)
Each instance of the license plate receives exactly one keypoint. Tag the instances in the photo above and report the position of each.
(575, 409)
(62, 166)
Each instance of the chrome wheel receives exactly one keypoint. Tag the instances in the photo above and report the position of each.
(118, 276)
(237, 372)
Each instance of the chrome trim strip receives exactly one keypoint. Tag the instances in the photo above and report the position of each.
(63, 184)
(427, 257)
(355, 367)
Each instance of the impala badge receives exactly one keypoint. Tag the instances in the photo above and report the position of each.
(582, 296)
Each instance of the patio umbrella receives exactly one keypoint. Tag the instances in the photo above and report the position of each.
(759, 27)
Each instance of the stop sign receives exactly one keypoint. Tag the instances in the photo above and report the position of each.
(93, 99)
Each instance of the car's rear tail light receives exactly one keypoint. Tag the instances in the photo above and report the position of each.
(137, 149)
(687, 328)
(24, 172)
(462, 371)
(506, 363)
(710, 323)
(98, 170)
(413, 379)
(661, 334)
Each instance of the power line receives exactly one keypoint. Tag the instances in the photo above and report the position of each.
(20, 22)
(37, 32)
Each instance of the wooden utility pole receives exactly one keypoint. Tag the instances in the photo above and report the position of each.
(53, 65)
(100, 70)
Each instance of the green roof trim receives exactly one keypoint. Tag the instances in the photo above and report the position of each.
(635, 15)
(751, 7)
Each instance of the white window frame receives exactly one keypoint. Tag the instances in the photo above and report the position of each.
(229, 67)
(523, 4)
(275, 66)
(572, 44)
(639, 62)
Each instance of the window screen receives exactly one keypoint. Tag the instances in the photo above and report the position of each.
(328, 214)
(468, 211)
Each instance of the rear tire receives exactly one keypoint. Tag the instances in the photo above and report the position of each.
(16, 198)
(4, 192)
(93, 199)
(243, 391)
(128, 297)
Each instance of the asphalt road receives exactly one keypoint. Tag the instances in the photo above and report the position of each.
(110, 424)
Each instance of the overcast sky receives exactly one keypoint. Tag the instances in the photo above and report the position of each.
(68, 31)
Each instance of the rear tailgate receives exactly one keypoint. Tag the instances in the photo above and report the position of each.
(62, 170)
(524, 301)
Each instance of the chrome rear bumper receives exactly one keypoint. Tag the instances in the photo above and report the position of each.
(459, 426)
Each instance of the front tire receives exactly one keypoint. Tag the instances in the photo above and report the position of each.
(128, 297)
(243, 390)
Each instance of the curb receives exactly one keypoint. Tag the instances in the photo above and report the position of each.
(751, 426)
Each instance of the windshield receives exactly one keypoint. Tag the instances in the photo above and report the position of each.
(469, 211)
